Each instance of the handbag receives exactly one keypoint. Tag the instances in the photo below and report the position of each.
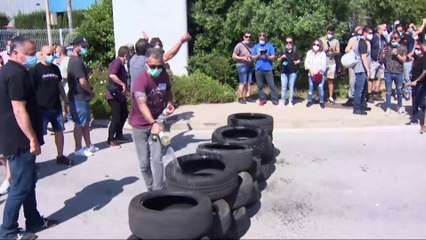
(113, 88)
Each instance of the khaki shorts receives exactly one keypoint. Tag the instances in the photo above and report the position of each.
(377, 70)
(331, 71)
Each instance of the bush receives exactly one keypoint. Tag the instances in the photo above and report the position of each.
(37, 20)
(214, 65)
(100, 108)
(199, 88)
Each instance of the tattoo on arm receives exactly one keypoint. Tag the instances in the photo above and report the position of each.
(140, 97)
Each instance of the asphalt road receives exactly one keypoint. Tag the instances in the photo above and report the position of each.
(328, 183)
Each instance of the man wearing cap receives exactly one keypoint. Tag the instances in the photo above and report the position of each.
(79, 95)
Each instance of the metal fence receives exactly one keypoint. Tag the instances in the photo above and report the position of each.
(59, 36)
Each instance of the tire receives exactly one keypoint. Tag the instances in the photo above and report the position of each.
(239, 155)
(240, 224)
(244, 193)
(257, 194)
(256, 119)
(250, 136)
(207, 174)
(222, 220)
(256, 168)
(267, 170)
(164, 214)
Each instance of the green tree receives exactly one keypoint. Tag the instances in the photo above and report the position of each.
(98, 29)
(4, 19)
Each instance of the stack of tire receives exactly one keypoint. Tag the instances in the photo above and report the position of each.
(225, 173)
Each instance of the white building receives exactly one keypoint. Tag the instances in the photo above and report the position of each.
(166, 19)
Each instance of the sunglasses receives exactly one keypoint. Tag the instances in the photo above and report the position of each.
(247, 36)
(289, 42)
(395, 38)
(155, 66)
(262, 35)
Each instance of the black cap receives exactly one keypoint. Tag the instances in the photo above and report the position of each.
(80, 41)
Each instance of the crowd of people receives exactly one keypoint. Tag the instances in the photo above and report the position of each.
(394, 55)
(55, 87)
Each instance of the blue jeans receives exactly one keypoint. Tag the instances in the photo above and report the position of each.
(288, 79)
(55, 118)
(245, 73)
(261, 76)
(389, 78)
(81, 112)
(22, 193)
(320, 89)
(360, 90)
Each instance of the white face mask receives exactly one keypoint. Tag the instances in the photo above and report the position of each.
(416, 37)
(370, 37)
(330, 36)
(418, 52)
(8, 49)
(315, 48)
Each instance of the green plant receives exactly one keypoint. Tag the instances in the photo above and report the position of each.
(37, 20)
(98, 29)
(199, 88)
(98, 79)
(4, 19)
(214, 65)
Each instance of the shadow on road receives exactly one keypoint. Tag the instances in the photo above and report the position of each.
(182, 140)
(94, 196)
(48, 168)
(178, 117)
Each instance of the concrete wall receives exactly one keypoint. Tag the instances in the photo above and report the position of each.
(166, 19)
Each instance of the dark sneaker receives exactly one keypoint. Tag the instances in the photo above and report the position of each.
(349, 103)
(249, 99)
(241, 101)
(113, 144)
(121, 138)
(370, 99)
(24, 235)
(360, 112)
(367, 109)
(276, 103)
(309, 104)
(64, 161)
(322, 105)
(377, 97)
(47, 223)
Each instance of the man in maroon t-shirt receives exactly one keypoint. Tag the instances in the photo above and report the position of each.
(150, 95)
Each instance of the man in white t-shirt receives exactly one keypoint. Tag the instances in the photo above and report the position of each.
(61, 60)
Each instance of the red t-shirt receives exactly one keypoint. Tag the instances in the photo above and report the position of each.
(156, 91)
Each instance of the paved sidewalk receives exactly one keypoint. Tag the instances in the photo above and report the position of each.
(211, 116)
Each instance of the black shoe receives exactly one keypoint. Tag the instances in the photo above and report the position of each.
(309, 104)
(370, 99)
(24, 235)
(349, 103)
(121, 138)
(360, 112)
(249, 99)
(113, 144)
(241, 101)
(367, 109)
(377, 97)
(64, 161)
(47, 223)
(322, 105)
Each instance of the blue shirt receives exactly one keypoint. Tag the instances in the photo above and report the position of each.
(263, 63)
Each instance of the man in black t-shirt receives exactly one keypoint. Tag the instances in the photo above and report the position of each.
(47, 78)
(20, 139)
(79, 96)
(418, 78)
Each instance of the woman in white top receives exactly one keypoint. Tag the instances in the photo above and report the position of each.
(316, 64)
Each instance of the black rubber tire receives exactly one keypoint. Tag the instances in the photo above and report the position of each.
(243, 194)
(152, 215)
(257, 194)
(256, 119)
(240, 224)
(222, 219)
(208, 174)
(239, 155)
(255, 169)
(267, 170)
(251, 136)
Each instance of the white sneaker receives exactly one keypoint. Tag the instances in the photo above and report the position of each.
(290, 104)
(4, 188)
(84, 152)
(281, 104)
(331, 99)
(388, 111)
(401, 111)
(93, 148)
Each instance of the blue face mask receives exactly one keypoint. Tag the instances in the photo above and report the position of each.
(358, 37)
(83, 52)
(395, 44)
(31, 61)
(57, 55)
(262, 42)
(155, 72)
(49, 59)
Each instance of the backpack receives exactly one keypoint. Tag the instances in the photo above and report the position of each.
(349, 59)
